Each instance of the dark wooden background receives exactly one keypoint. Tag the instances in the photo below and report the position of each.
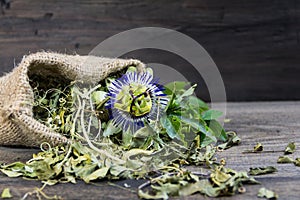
(254, 43)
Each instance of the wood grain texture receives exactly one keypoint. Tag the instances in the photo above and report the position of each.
(272, 124)
(254, 43)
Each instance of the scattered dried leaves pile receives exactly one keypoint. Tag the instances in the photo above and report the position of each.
(187, 134)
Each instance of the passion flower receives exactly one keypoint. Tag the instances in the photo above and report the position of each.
(135, 99)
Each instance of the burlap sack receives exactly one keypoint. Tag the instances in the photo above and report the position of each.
(17, 125)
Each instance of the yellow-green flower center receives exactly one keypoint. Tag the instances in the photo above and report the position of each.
(134, 99)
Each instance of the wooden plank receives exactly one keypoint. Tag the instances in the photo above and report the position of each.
(254, 43)
(274, 124)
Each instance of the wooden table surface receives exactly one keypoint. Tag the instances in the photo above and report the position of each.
(274, 124)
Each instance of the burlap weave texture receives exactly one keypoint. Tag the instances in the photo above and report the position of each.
(17, 125)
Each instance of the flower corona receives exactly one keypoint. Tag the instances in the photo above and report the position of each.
(135, 98)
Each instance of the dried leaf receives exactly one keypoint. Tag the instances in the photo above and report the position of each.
(198, 157)
(202, 186)
(226, 120)
(98, 97)
(285, 159)
(258, 147)
(6, 194)
(290, 148)
(262, 170)
(11, 173)
(219, 177)
(297, 162)
(160, 148)
(98, 174)
(111, 129)
(223, 181)
(146, 195)
(232, 140)
(263, 192)
(50, 182)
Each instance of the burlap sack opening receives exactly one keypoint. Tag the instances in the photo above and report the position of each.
(17, 125)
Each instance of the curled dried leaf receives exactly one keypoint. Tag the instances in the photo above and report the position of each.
(285, 159)
(297, 162)
(258, 147)
(262, 170)
(290, 148)
(232, 140)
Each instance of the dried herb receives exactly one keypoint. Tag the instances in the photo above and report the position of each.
(297, 162)
(181, 134)
(285, 159)
(6, 194)
(258, 147)
(38, 192)
(263, 192)
(290, 148)
(262, 170)
(222, 182)
(232, 140)
(53, 105)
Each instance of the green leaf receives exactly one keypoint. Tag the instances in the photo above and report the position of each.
(167, 124)
(6, 194)
(262, 170)
(187, 93)
(197, 103)
(174, 87)
(199, 127)
(218, 130)
(263, 192)
(211, 114)
(290, 148)
(175, 122)
(205, 141)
